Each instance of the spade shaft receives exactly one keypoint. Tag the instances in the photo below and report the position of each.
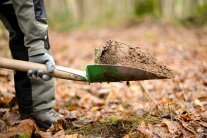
(24, 66)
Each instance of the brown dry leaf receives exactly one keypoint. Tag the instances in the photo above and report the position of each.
(102, 93)
(43, 134)
(204, 124)
(111, 96)
(3, 126)
(2, 112)
(144, 130)
(88, 101)
(205, 83)
(197, 102)
(204, 115)
(4, 101)
(158, 130)
(126, 136)
(186, 117)
(187, 127)
(171, 125)
(11, 118)
(56, 127)
(72, 107)
(74, 136)
(25, 128)
(59, 134)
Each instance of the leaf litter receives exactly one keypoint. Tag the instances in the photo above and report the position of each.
(153, 109)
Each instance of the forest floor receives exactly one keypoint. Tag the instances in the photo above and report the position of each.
(155, 108)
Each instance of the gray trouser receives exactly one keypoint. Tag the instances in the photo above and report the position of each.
(32, 94)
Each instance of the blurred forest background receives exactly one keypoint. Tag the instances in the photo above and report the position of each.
(66, 14)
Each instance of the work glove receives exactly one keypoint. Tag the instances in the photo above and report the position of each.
(46, 59)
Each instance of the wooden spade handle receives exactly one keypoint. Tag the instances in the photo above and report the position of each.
(24, 66)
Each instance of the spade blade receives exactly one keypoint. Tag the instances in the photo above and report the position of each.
(117, 73)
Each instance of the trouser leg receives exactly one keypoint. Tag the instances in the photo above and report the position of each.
(32, 95)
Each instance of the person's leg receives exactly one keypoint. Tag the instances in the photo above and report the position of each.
(16, 42)
(32, 95)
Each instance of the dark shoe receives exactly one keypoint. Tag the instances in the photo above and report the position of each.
(44, 119)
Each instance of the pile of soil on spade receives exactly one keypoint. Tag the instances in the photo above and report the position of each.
(116, 53)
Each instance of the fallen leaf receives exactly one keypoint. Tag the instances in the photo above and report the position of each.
(204, 115)
(126, 136)
(186, 117)
(74, 136)
(43, 134)
(187, 127)
(59, 134)
(171, 125)
(24, 128)
(198, 103)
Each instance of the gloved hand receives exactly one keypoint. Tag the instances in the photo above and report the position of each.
(43, 59)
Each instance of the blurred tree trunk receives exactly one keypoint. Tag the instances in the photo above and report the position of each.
(56, 5)
(80, 10)
(178, 9)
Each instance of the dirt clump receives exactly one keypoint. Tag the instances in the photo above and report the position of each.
(116, 53)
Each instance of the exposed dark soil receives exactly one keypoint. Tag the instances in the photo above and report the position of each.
(116, 53)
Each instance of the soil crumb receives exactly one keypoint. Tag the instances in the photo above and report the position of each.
(116, 53)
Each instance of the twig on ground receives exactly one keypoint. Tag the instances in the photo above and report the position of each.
(146, 93)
